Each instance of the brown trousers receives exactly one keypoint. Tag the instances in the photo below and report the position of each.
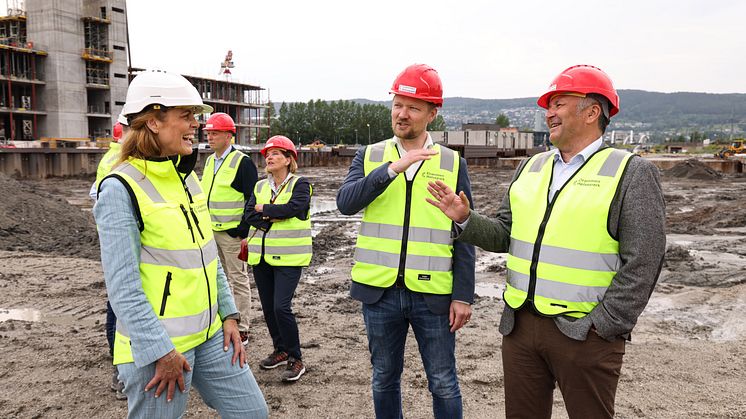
(536, 355)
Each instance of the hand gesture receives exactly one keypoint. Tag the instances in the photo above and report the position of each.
(169, 372)
(454, 207)
(412, 157)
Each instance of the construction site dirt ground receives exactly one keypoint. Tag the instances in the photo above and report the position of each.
(687, 357)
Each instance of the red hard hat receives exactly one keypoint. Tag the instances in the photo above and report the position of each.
(280, 141)
(220, 121)
(116, 132)
(419, 81)
(582, 79)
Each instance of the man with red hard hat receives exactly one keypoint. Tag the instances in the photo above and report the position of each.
(583, 225)
(228, 178)
(408, 271)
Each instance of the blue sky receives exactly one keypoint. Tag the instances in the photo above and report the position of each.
(304, 50)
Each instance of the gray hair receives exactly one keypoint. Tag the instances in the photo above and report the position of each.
(595, 99)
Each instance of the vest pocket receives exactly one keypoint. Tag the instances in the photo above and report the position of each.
(166, 293)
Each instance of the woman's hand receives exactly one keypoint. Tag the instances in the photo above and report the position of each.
(258, 207)
(169, 370)
(230, 334)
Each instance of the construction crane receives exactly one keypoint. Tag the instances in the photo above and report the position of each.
(15, 8)
(226, 65)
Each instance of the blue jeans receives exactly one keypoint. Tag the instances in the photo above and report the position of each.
(387, 323)
(229, 389)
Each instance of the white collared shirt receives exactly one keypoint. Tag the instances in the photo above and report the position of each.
(563, 171)
(276, 188)
(411, 170)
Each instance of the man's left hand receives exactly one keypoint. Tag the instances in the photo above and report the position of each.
(460, 314)
(231, 336)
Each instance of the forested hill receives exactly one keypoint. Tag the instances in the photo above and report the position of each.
(641, 110)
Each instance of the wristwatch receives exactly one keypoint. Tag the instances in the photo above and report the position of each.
(235, 316)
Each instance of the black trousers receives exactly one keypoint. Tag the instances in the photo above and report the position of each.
(276, 286)
(111, 327)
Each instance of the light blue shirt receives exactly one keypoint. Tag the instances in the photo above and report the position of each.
(564, 171)
(119, 236)
(219, 160)
(561, 172)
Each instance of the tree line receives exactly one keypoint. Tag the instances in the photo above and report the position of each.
(336, 122)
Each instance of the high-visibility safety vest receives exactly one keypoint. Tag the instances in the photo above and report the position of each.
(562, 257)
(225, 203)
(404, 240)
(178, 255)
(287, 242)
(107, 161)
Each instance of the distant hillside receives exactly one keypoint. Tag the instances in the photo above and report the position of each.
(661, 114)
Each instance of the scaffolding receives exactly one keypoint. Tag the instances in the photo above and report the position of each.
(96, 37)
(96, 72)
(13, 31)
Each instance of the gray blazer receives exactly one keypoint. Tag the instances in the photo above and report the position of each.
(358, 190)
(637, 217)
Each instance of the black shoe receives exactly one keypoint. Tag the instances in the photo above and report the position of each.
(274, 360)
(294, 370)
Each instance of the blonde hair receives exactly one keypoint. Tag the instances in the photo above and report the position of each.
(141, 142)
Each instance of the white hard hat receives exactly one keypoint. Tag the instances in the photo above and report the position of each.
(162, 88)
(123, 120)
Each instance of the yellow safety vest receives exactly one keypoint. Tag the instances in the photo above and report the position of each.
(403, 238)
(287, 242)
(107, 161)
(562, 257)
(178, 255)
(225, 203)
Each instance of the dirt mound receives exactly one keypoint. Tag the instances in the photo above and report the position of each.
(693, 169)
(36, 221)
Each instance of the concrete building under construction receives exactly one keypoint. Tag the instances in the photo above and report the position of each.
(64, 74)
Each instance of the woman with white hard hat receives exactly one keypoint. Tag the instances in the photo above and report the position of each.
(177, 321)
(279, 246)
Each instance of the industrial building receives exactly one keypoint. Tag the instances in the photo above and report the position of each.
(64, 74)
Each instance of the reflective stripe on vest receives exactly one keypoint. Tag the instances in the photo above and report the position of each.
(225, 203)
(425, 234)
(178, 256)
(107, 161)
(562, 258)
(288, 242)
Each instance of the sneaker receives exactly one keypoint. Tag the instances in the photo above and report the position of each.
(294, 370)
(274, 360)
(117, 386)
(244, 338)
(119, 395)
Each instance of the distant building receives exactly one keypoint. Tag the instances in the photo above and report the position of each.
(64, 74)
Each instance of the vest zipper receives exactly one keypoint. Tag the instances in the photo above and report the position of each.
(542, 229)
(189, 223)
(201, 255)
(196, 223)
(166, 293)
(214, 175)
(537, 250)
(405, 235)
